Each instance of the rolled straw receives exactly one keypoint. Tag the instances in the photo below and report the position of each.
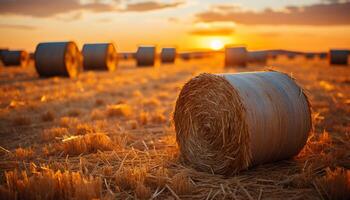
(58, 59)
(15, 58)
(228, 122)
(101, 56)
(145, 55)
(168, 55)
(338, 56)
(235, 56)
(257, 56)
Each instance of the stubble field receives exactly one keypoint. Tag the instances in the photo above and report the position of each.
(111, 136)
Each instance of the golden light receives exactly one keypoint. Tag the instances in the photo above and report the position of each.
(216, 44)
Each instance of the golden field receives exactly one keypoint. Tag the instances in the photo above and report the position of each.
(110, 135)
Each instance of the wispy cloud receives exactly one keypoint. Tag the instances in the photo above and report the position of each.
(213, 29)
(17, 26)
(47, 8)
(150, 6)
(318, 14)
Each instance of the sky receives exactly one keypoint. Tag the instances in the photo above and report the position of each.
(308, 25)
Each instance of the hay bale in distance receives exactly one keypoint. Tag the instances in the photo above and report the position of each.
(15, 58)
(257, 56)
(185, 55)
(228, 122)
(58, 59)
(338, 56)
(145, 55)
(102, 56)
(309, 56)
(168, 55)
(235, 56)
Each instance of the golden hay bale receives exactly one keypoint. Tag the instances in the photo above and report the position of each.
(58, 59)
(15, 58)
(229, 122)
(168, 55)
(338, 56)
(101, 56)
(257, 56)
(235, 56)
(145, 55)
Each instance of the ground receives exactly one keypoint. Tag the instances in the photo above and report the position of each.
(110, 135)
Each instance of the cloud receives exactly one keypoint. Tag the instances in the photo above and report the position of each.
(17, 26)
(48, 8)
(150, 6)
(213, 29)
(318, 14)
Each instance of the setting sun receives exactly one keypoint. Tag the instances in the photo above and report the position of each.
(216, 44)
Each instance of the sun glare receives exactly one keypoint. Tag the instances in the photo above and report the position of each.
(216, 44)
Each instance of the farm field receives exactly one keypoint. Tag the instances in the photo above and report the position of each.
(111, 136)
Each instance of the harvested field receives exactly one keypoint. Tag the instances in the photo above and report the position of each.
(110, 135)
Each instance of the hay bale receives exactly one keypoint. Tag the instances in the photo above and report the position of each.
(185, 55)
(309, 56)
(228, 122)
(338, 56)
(235, 56)
(101, 56)
(257, 56)
(145, 55)
(15, 58)
(58, 59)
(168, 55)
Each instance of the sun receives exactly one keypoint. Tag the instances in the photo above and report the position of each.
(216, 44)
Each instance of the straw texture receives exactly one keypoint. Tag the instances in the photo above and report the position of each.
(229, 122)
(168, 55)
(101, 56)
(235, 56)
(58, 59)
(145, 55)
(338, 57)
(15, 58)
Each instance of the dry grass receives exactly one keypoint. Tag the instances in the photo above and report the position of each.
(82, 129)
(47, 184)
(69, 122)
(54, 133)
(89, 143)
(130, 178)
(336, 184)
(145, 159)
(48, 116)
(24, 153)
(21, 121)
(181, 184)
(119, 110)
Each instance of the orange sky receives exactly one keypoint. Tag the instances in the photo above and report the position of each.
(308, 25)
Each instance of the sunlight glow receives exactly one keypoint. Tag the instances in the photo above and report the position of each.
(216, 44)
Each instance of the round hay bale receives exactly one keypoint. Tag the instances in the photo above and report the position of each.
(168, 55)
(185, 55)
(338, 56)
(228, 122)
(101, 56)
(58, 59)
(145, 55)
(15, 58)
(235, 56)
(257, 56)
(309, 56)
